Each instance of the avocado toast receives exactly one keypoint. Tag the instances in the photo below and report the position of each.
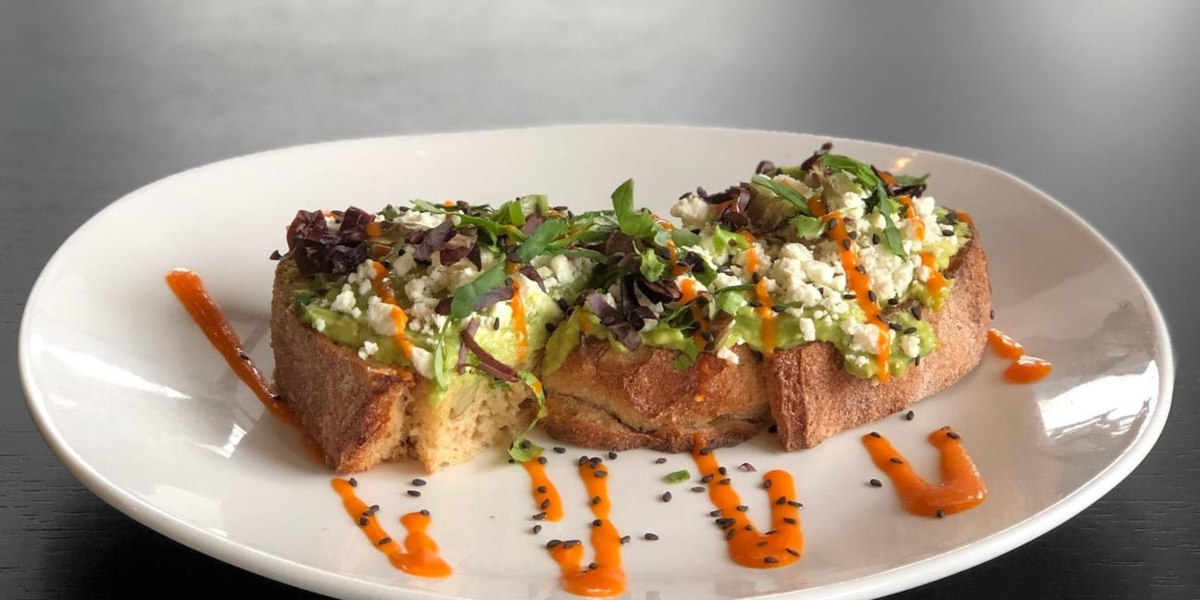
(820, 297)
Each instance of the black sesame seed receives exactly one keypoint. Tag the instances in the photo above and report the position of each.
(781, 500)
(562, 304)
(595, 460)
(895, 327)
(754, 304)
(789, 520)
(698, 489)
(651, 536)
(916, 312)
(952, 435)
(570, 543)
(747, 467)
(625, 539)
(722, 470)
(707, 336)
(612, 456)
(526, 444)
(771, 560)
(660, 461)
(729, 534)
(896, 460)
(560, 450)
(767, 484)
(762, 543)
(363, 521)
(541, 489)
(908, 416)
(706, 478)
(600, 473)
(553, 543)
(860, 269)
(795, 504)
(418, 482)
(714, 513)
(353, 482)
(875, 434)
(792, 552)
(414, 493)
(595, 500)
(386, 540)
(582, 459)
(511, 461)
(705, 451)
(757, 277)
(846, 243)
(541, 460)
(871, 295)
(537, 529)
(724, 481)
(540, 516)
(941, 514)
(910, 330)
(832, 224)
(849, 297)
(778, 308)
(917, 361)
(545, 503)
(742, 508)
(773, 428)
(893, 301)
(666, 497)
(593, 565)
(992, 313)
(725, 522)
(550, 327)
(424, 513)
(876, 483)
(875, 239)
(947, 232)
(597, 523)
(852, 235)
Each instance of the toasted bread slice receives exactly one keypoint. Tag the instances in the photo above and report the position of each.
(607, 399)
(361, 413)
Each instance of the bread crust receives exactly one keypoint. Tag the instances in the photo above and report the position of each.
(813, 397)
(607, 399)
(351, 408)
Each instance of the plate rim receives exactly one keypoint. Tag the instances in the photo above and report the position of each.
(332, 583)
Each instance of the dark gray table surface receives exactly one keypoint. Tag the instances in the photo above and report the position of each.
(1097, 104)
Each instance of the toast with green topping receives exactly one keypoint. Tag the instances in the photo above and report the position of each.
(415, 332)
(824, 296)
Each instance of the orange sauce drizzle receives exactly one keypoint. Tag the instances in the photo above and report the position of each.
(399, 318)
(1004, 345)
(961, 488)
(584, 324)
(936, 280)
(189, 288)
(861, 286)
(544, 492)
(518, 312)
(965, 218)
(1025, 368)
(374, 229)
(816, 206)
(911, 214)
(420, 553)
(608, 578)
(768, 329)
(676, 268)
(783, 544)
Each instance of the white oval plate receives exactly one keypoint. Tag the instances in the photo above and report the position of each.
(140, 408)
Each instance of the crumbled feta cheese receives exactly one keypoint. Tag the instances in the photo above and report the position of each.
(693, 212)
(416, 219)
(379, 316)
(728, 355)
(819, 273)
(422, 360)
(861, 361)
(345, 301)
(725, 280)
(404, 264)
(864, 337)
(319, 324)
(910, 345)
(888, 275)
(808, 329)
(923, 273)
(368, 349)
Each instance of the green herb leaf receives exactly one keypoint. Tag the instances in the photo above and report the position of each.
(687, 355)
(783, 191)
(888, 207)
(683, 237)
(599, 257)
(424, 206)
(511, 213)
(678, 476)
(808, 228)
(463, 303)
(541, 237)
(530, 450)
(723, 237)
(861, 171)
(633, 222)
(652, 266)
(904, 179)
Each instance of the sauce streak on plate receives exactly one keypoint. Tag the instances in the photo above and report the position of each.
(961, 488)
